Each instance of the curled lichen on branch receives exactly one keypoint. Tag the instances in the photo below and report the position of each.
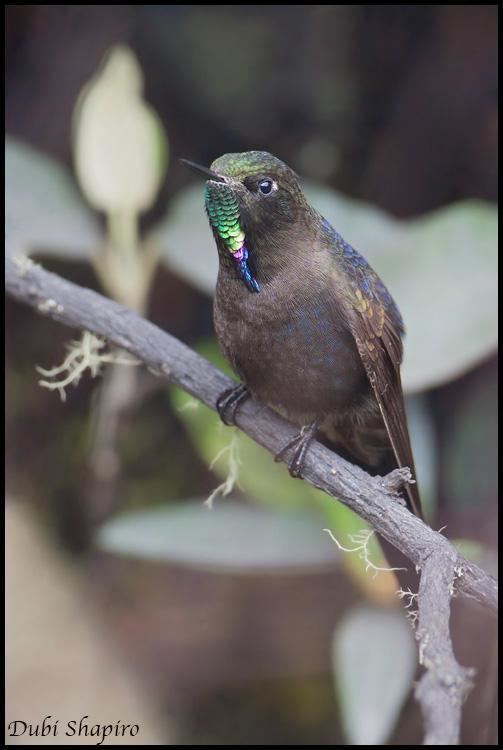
(84, 354)
(233, 463)
(361, 540)
(411, 598)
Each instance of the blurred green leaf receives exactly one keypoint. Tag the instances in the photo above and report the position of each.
(230, 537)
(119, 142)
(43, 208)
(441, 270)
(374, 663)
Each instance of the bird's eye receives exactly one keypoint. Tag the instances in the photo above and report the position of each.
(266, 186)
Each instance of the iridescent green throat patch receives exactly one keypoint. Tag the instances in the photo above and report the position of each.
(225, 218)
(224, 214)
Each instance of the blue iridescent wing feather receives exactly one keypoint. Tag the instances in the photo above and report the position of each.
(362, 275)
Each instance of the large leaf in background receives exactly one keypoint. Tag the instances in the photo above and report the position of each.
(374, 663)
(119, 142)
(270, 484)
(441, 269)
(451, 307)
(230, 537)
(43, 207)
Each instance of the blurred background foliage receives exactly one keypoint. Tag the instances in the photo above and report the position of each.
(245, 623)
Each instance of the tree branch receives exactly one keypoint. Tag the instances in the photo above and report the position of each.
(444, 573)
(445, 684)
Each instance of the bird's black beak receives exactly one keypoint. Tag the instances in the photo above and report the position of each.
(202, 171)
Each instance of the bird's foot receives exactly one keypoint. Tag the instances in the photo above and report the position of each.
(299, 444)
(229, 401)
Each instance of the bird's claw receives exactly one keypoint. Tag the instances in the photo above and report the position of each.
(229, 401)
(300, 444)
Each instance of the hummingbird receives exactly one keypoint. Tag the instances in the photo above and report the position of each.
(304, 321)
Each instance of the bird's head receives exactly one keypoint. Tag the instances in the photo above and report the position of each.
(253, 200)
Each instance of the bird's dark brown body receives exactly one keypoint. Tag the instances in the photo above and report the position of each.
(304, 321)
(293, 348)
(294, 353)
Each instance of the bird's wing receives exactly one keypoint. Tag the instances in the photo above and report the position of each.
(377, 328)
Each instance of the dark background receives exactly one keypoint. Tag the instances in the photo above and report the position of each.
(395, 105)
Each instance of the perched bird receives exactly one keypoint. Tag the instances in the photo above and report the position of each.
(303, 319)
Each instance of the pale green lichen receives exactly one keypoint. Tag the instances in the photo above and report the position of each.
(233, 462)
(361, 540)
(83, 355)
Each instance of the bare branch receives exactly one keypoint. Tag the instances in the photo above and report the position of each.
(445, 684)
(444, 572)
